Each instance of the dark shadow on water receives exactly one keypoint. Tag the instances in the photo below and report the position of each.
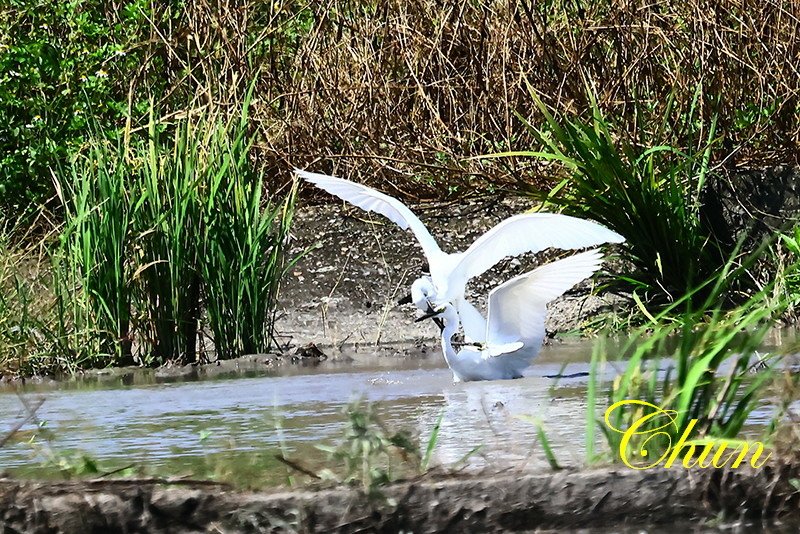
(572, 375)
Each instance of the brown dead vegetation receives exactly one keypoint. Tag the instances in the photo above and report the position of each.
(402, 94)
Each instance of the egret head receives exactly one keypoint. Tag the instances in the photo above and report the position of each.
(423, 293)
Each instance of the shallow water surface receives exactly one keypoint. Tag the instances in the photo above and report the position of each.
(183, 427)
(239, 425)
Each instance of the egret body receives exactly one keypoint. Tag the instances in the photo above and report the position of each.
(515, 320)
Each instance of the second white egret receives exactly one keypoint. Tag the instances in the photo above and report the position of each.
(515, 320)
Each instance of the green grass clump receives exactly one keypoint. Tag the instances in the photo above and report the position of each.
(16, 303)
(166, 240)
(211, 241)
(169, 230)
(697, 364)
(93, 276)
(650, 194)
(243, 255)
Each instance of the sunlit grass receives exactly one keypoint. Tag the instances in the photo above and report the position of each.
(92, 276)
(168, 239)
(243, 257)
(647, 191)
(697, 362)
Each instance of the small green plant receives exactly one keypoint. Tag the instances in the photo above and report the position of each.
(432, 441)
(73, 464)
(371, 454)
(788, 278)
(222, 461)
(549, 454)
(70, 465)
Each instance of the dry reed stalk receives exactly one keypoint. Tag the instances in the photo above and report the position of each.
(401, 94)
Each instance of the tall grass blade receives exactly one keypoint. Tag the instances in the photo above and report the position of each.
(432, 440)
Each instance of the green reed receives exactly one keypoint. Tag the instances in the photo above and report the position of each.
(243, 257)
(211, 241)
(696, 363)
(169, 234)
(92, 273)
(168, 239)
(16, 321)
(644, 189)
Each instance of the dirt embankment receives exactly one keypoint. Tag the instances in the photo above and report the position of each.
(510, 502)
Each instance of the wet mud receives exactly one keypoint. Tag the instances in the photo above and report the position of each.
(509, 502)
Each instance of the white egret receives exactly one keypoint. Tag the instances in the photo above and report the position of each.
(449, 273)
(516, 314)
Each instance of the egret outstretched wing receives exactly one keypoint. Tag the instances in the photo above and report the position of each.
(519, 305)
(528, 232)
(518, 308)
(370, 200)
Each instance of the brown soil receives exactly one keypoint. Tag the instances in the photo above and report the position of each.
(510, 502)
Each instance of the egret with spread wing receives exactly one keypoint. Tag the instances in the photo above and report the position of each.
(515, 320)
(449, 273)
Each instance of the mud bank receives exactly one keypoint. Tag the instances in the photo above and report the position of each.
(512, 501)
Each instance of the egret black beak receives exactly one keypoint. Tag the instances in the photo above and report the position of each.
(432, 314)
(428, 315)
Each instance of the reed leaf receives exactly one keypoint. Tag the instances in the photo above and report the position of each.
(708, 378)
(93, 263)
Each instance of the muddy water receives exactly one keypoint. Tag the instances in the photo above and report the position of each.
(194, 427)
(237, 425)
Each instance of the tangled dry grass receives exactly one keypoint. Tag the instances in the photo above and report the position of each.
(403, 94)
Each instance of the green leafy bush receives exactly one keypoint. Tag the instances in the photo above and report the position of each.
(65, 71)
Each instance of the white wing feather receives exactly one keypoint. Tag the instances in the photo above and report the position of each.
(527, 232)
(472, 321)
(518, 308)
(371, 200)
